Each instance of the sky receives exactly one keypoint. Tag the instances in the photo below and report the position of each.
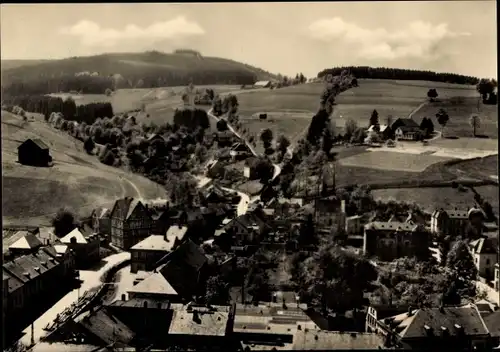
(448, 36)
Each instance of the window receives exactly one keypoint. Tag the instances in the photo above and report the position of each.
(487, 262)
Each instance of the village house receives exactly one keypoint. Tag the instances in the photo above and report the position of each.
(101, 221)
(245, 229)
(485, 253)
(84, 245)
(456, 222)
(130, 223)
(27, 244)
(195, 326)
(145, 254)
(32, 280)
(185, 269)
(444, 328)
(239, 151)
(146, 317)
(330, 213)
(406, 129)
(391, 240)
(34, 152)
(384, 132)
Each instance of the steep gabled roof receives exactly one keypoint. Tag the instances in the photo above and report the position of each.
(408, 123)
(414, 326)
(77, 233)
(155, 283)
(105, 326)
(36, 141)
(124, 207)
(29, 241)
(484, 246)
(492, 322)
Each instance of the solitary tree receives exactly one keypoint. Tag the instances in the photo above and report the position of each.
(374, 118)
(432, 94)
(266, 136)
(64, 222)
(443, 118)
(462, 273)
(475, 122)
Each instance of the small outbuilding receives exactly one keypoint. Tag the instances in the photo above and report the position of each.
(34, 152)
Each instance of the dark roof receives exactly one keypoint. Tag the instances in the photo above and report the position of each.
(105, 326)
(141, 302)
(125, 207)
(334, 340)
(38, 142)
(182, 267)
(467, 317)
(492, 322)
(409, 123)
(485, 246)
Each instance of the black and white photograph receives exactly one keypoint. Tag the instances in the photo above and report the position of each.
(250, 176)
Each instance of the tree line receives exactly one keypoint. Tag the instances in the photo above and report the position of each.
(400, 74)
(46, 105)
(19, 82)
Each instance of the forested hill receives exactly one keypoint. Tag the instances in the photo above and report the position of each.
(94, 74)
(400, 74)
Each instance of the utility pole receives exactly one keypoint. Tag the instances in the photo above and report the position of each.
(33, 334)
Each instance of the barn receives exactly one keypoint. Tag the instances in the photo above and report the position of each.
(262, 84)
(34, 152)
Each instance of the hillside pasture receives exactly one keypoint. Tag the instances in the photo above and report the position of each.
(485, 168)
(429, 199)
(395, 98)
(490, 194)
(76, 181)
(383, 160)
(124, 100)
(459, 110)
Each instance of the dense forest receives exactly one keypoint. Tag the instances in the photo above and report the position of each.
(95, 74)
(400, 74)
(46, 105)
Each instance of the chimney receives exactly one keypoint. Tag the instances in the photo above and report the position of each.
(299, 327)
(145, 304)
(410, 311)
(428, 330)
(275, 298)
(459, 329)
(444, 331)
(342, 206)
(124, 297)
(196, 316)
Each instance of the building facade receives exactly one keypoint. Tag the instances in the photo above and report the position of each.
(130, 223)
(391, 240)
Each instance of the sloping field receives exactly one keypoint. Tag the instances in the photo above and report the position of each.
(77, 181)
(397, 98)
(429, 199)
(459, 111)
(385, 160)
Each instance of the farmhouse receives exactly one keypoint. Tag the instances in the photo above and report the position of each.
(239, 150)
(406, 129)
(85, 246)
(34, 152)
(392, 239)
(262, 84)
(130, 222)
(383, 131)
(455, 222)
(145, 254)
(484, 251)
(444, 328)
